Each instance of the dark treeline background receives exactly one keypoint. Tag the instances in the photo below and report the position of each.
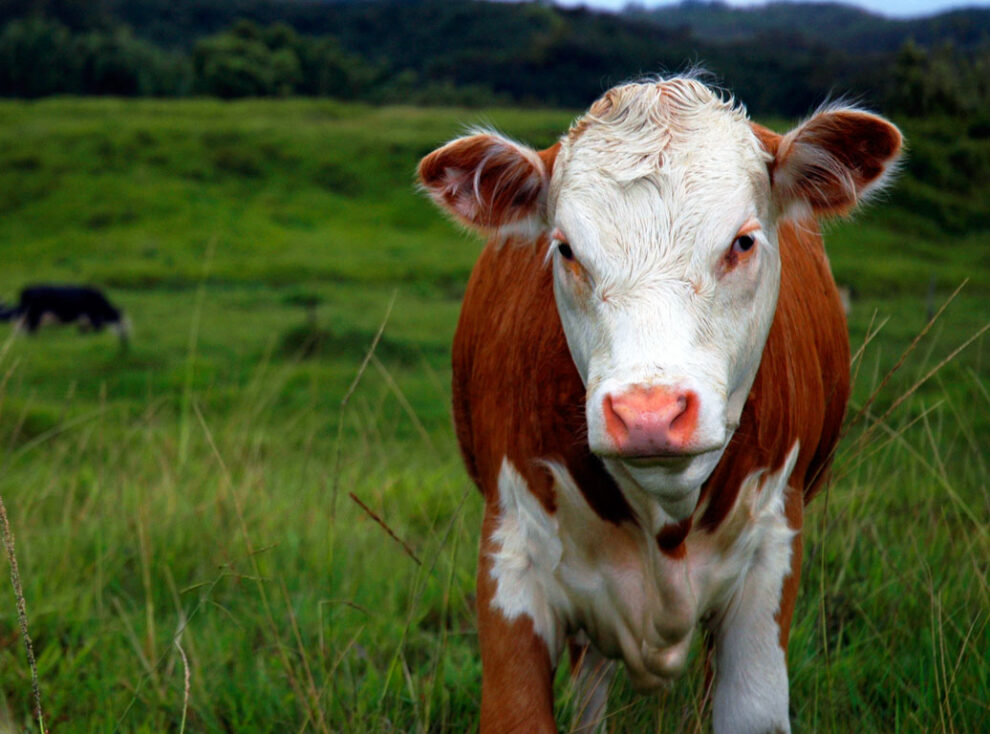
(782, 59)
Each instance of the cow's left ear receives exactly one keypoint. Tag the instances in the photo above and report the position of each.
(490, 183)
(831, 162)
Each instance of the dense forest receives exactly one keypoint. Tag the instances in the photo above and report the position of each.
(782, 58)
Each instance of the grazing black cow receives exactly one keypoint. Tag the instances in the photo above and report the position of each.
(66, 304)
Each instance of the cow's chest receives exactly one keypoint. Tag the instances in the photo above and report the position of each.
(572, 571)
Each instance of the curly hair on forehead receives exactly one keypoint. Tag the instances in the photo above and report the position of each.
(636, 130)
(649, 102)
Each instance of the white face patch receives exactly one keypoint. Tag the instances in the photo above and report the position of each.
(651, 197)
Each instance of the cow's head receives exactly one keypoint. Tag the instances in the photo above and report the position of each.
(659, 209)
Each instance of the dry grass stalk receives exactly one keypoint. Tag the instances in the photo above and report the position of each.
(386, 528)
(347, 396)
(186, 681)
(904, 355)
(15, 580)
(862, 441)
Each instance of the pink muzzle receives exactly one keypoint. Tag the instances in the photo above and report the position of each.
(650, 420)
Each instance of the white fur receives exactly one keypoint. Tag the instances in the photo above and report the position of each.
(528, 555)
(650, 189)
(573, 571)
(751, 691)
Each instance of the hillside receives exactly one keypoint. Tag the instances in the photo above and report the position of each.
(833, 25)
(783, 58)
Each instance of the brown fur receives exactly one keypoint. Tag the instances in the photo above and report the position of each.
(859, 147)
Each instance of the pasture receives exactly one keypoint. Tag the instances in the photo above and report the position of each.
(203, 521)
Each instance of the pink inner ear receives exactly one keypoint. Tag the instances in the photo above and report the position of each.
(486, 181)
(455, 190)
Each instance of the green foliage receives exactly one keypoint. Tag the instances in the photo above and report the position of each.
(116, 63)
(227, 529)
(23, 44)
(40, 57)
(941, 82)
(948, 167)
(241, 64)
(326, 71)
(436, 52)
(249, 61)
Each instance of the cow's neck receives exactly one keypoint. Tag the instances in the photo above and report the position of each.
(653, 512)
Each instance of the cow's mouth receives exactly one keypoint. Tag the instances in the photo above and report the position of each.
(669, 461)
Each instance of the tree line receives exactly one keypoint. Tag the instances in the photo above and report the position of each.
(40, 56)
(469, 53)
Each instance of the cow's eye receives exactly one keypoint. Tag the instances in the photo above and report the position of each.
(565, 251)
(743, 243)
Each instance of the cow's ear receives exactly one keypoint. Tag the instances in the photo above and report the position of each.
(490, 183)
(831, 162)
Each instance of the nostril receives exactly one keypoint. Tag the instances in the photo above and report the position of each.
(614, 423)
(684, 421)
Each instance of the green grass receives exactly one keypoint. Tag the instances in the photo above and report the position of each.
(196, 488)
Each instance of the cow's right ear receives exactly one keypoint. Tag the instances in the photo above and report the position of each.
(490, 183)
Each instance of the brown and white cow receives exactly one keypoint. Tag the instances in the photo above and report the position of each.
(650, 372)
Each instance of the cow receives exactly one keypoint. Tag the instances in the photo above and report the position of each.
(66, 304)
(650, 371)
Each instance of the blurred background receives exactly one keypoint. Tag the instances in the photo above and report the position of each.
(781, 58)
(251, 515)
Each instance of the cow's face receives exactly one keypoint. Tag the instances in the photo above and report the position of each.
(659, 212)
(666, 275)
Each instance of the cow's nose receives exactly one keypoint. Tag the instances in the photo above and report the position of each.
(651, 420)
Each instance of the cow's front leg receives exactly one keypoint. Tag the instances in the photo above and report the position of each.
(751, 689)
(517, 669)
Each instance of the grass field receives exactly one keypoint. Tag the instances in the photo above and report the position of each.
(192, 554)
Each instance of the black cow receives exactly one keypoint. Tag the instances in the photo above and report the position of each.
(66, 304)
